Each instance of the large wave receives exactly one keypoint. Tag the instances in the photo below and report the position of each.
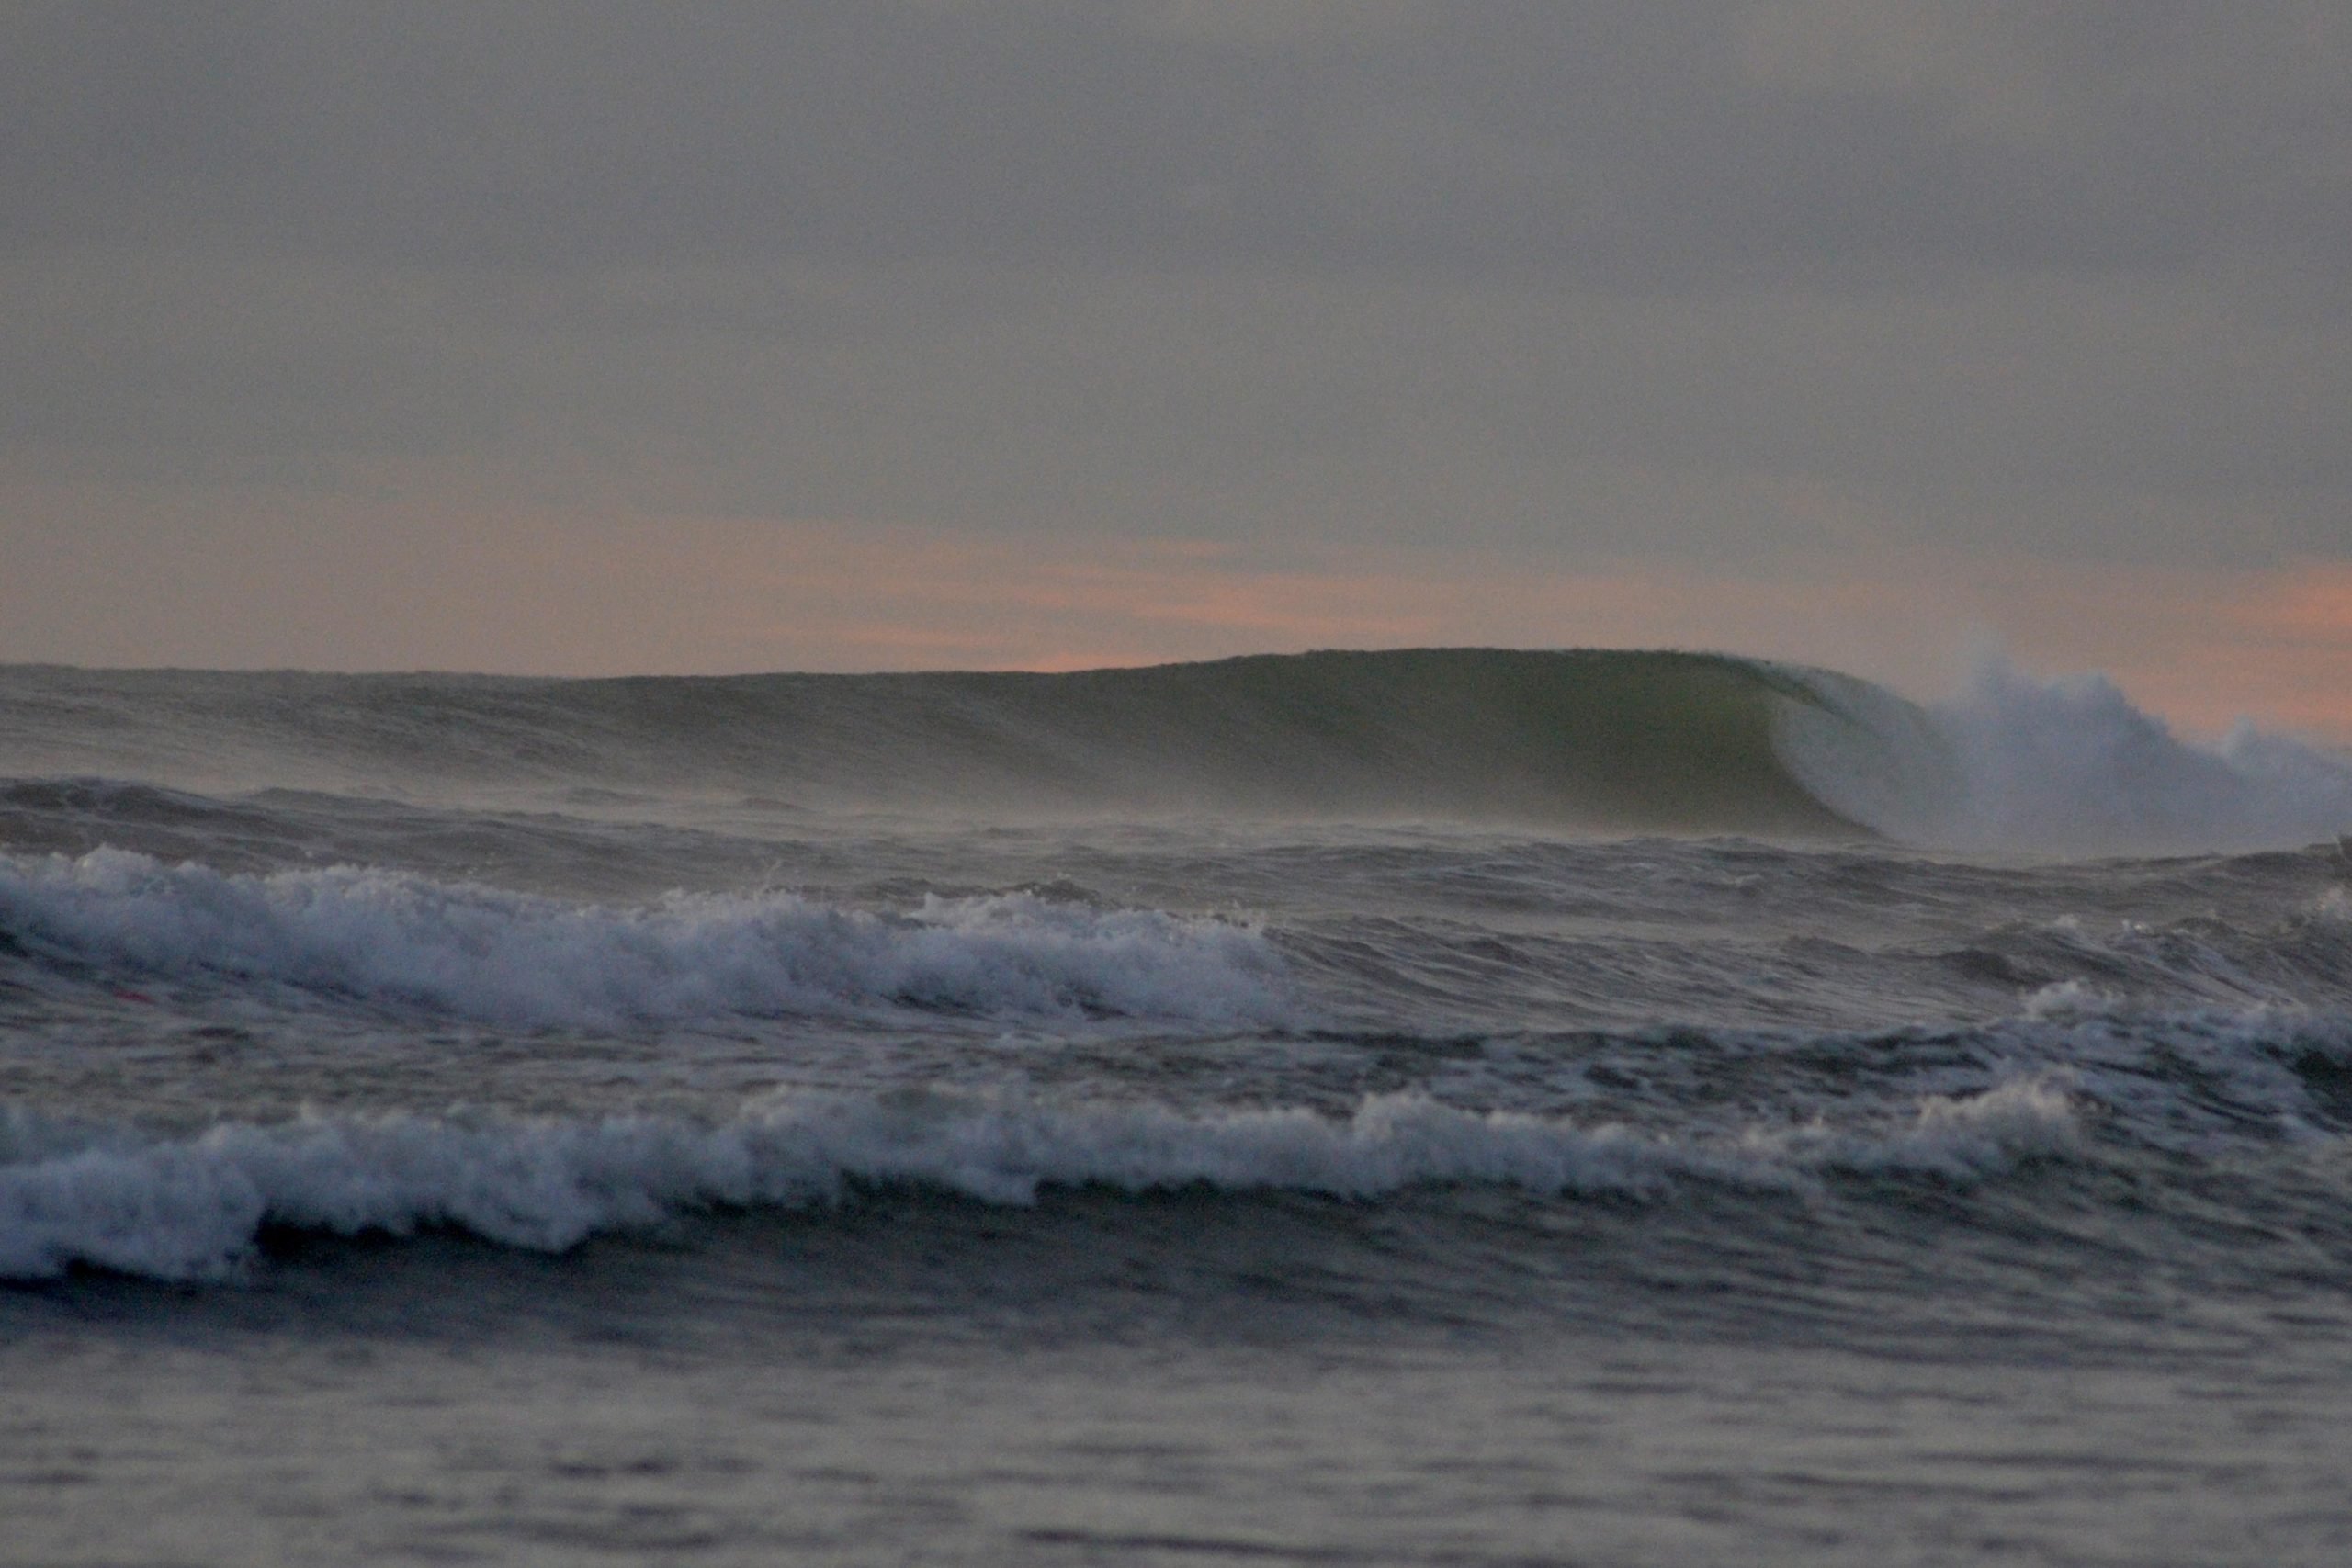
(1636, 740)
(1598, 740)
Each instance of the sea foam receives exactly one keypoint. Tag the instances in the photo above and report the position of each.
(511, 958)
(193, 1207)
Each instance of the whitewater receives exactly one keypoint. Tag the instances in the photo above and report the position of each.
(1443, 1106)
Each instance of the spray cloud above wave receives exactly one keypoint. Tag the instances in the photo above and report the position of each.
(2066, 766)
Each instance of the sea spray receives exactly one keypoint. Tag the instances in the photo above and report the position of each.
(2062, 766)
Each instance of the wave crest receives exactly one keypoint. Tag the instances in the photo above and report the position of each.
(517, 959)
(193, 1208)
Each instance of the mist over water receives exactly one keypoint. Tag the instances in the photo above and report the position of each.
(818, 1055)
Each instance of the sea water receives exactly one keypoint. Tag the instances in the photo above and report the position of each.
(1438, 1108)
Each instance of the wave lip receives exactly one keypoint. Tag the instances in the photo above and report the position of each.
(117, 1198)
(521, 960)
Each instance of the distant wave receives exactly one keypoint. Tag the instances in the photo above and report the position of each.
(1596, 739)
(136, 1203)
(487, 953)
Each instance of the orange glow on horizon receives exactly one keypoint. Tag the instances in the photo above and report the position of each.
(345, 583)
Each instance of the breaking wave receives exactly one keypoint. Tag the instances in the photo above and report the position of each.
(2067, 765)
(1594, 739)
(518, 959)
(132, 1201)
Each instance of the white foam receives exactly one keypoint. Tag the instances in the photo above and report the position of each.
(506, 957)
(2067, 1001)
(192, 1208)
(2195, 1081)
(1963, 1137)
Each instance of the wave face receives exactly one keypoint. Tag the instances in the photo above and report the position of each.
(1633, 741)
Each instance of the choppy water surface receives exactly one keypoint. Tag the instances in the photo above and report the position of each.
(1436, 1107)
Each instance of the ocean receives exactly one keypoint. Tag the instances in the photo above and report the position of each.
(1443, 1106)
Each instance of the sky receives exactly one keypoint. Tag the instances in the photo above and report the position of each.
(584, 339)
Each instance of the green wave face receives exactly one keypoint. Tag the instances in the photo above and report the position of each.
(1610, 740)
(1620, 740)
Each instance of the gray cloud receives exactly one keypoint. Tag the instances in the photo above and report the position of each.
(1628, 143)
(1570, 277)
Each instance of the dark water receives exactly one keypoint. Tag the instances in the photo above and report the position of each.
(1445, 1108)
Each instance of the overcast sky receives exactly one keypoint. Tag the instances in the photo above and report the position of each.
(578, 337)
